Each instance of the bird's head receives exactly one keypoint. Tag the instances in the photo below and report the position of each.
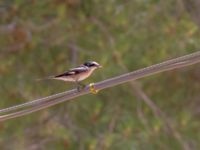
(92, 64)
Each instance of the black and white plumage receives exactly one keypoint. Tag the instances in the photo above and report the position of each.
(79, 73)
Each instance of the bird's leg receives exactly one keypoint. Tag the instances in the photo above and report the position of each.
(80, 86)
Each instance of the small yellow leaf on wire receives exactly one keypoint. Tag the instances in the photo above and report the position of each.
(92, 89)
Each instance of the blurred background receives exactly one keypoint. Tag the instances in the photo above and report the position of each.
(46, 37)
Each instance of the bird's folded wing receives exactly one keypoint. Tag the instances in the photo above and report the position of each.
(72, 72)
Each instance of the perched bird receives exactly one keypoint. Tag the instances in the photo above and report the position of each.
(79, 73)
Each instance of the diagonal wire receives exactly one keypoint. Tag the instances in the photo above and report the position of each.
(33, 103)
(68, 95)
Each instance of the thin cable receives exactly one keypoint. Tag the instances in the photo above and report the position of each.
(32, 103)
(65, 96)
(161, 67)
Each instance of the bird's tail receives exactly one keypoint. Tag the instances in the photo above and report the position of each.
(47, 78)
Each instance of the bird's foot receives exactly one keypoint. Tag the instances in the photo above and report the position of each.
(80, 87)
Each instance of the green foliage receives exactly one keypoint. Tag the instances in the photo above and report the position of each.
(42, 38)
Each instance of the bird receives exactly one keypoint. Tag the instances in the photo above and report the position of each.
(77, 74)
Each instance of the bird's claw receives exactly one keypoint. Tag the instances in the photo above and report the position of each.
(80, 87)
